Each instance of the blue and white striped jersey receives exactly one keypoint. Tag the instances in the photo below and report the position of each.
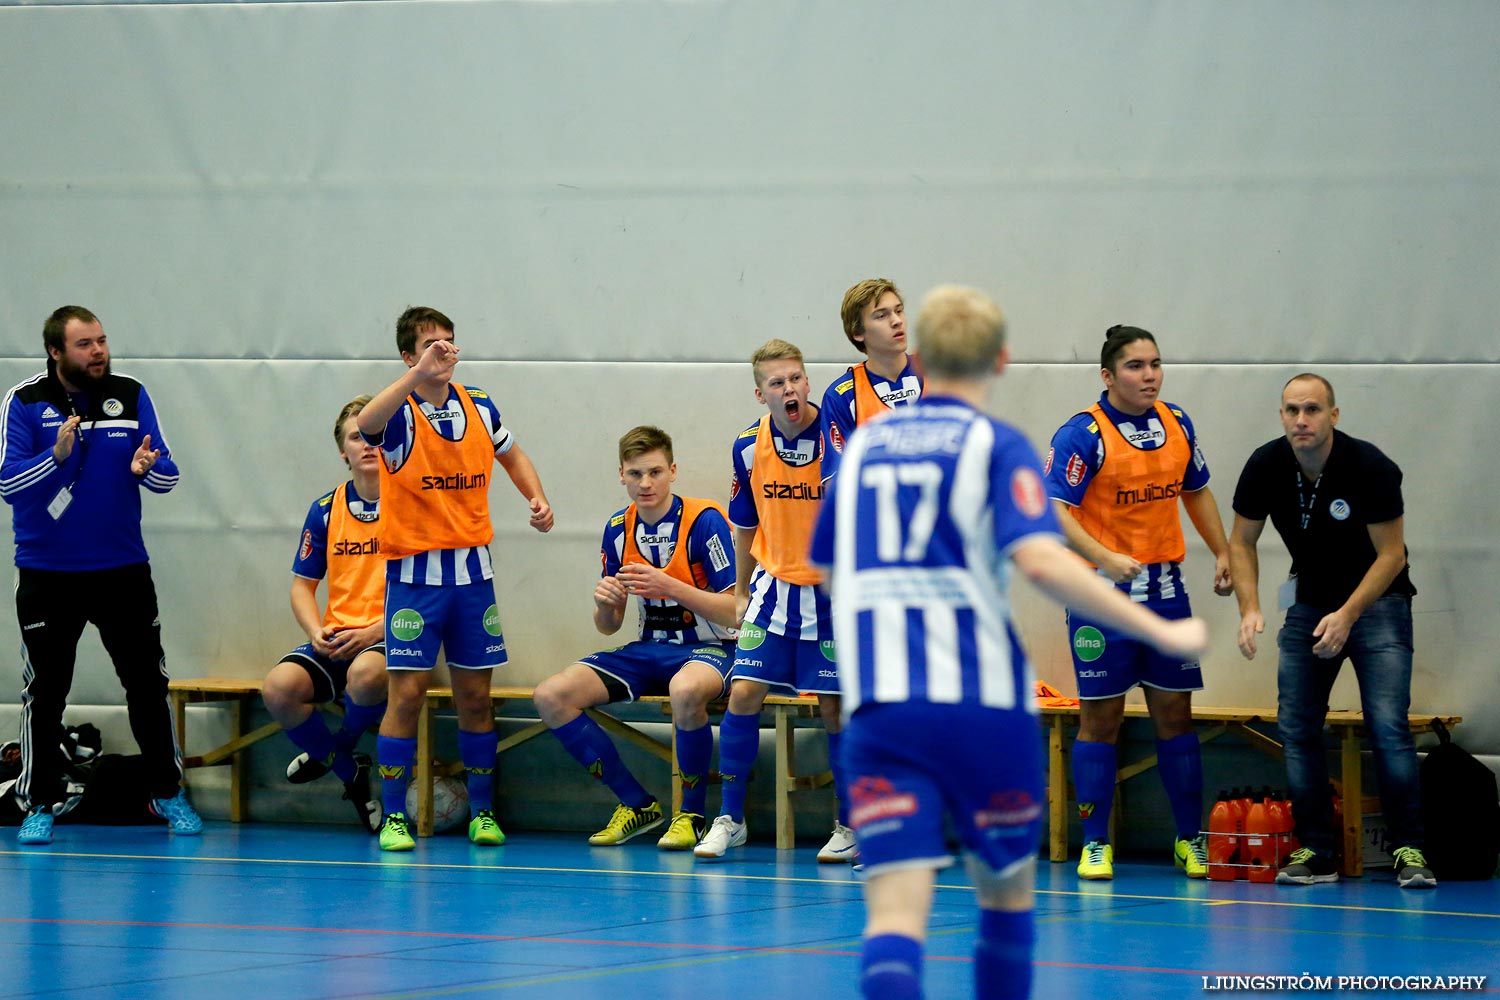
(928, 504)
(796, 611)
(710, 545)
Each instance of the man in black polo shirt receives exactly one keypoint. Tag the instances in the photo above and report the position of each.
(1336, 502)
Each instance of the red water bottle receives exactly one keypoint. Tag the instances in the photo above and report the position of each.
(1260, 843)
(1222, 849)
(1239, 806)
(1281, 827)
(1292, 843)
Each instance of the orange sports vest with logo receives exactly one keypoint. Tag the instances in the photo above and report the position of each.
(1131, 503)
(786, 501)
(867, 402)
(440, 499)
(672, 617)
(356, 570)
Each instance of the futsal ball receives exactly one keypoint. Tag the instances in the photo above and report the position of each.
(450, 804)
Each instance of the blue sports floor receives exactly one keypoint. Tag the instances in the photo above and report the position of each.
(294, 912)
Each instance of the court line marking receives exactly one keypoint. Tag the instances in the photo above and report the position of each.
(727, 876)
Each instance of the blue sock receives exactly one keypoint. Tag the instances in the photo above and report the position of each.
(695, 752)
(1094, 787)
(397, 757)
(357, 720)
(739, 742)
(1180, 761)
(477, 751)
(836, 765)
(312, 735)
(1002, 955)
(891, 968)
(592, 747)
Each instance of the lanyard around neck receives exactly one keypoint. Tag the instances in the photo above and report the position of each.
(1306, 502)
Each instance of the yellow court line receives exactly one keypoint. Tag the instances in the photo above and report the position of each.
(732, 876)
(434, 866)
(1271, 902)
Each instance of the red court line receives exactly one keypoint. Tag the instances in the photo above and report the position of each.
(453, 935)
(271, 928)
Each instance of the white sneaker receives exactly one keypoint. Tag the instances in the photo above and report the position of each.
(841, 848)
(721, 836)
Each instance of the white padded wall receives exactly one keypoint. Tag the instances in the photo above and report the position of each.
(618, 201)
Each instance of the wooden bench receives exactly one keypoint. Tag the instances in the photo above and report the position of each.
(785, 710)
(1348, 725)
(240, 694)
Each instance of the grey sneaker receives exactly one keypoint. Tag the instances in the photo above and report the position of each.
(1411, 869)
(1308, 867)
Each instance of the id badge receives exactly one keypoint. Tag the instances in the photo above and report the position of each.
(60, 503)
(1286, 594)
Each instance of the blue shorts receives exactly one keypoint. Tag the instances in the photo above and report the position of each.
(1109, 663)
(799, 665)
(908, 764)
(647, 666)
(462, 619)
(329, 676)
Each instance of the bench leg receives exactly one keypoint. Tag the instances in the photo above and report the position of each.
(178, 700)
(424, 776)
(786, 830)
(1353, 803)
(1057, 792)
(239, 788)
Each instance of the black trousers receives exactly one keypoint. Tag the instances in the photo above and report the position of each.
(52, 609)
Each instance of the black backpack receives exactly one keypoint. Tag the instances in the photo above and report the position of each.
(1461, 812)
(115, 794)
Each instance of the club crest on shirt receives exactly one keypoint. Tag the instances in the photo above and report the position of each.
(306, 548)
(836, 438)
(113, 407)
(1339, 510)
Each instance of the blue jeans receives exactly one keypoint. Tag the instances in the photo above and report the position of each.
(1380, 647)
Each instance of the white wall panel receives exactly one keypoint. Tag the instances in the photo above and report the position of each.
(640, 180)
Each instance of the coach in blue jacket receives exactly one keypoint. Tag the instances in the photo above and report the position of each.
(78, 445)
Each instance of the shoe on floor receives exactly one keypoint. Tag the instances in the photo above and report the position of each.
(841, 848)
(181, 818)
(395, 833)
(627, 823)
(723, 834)
(484, 830)
(1411, 869)
(36, 828)
(366, 806)
(683, 833)
(1192, 856)
(1098, 862)
(1308, 867)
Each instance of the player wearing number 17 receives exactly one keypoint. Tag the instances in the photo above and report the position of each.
(932, 506)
